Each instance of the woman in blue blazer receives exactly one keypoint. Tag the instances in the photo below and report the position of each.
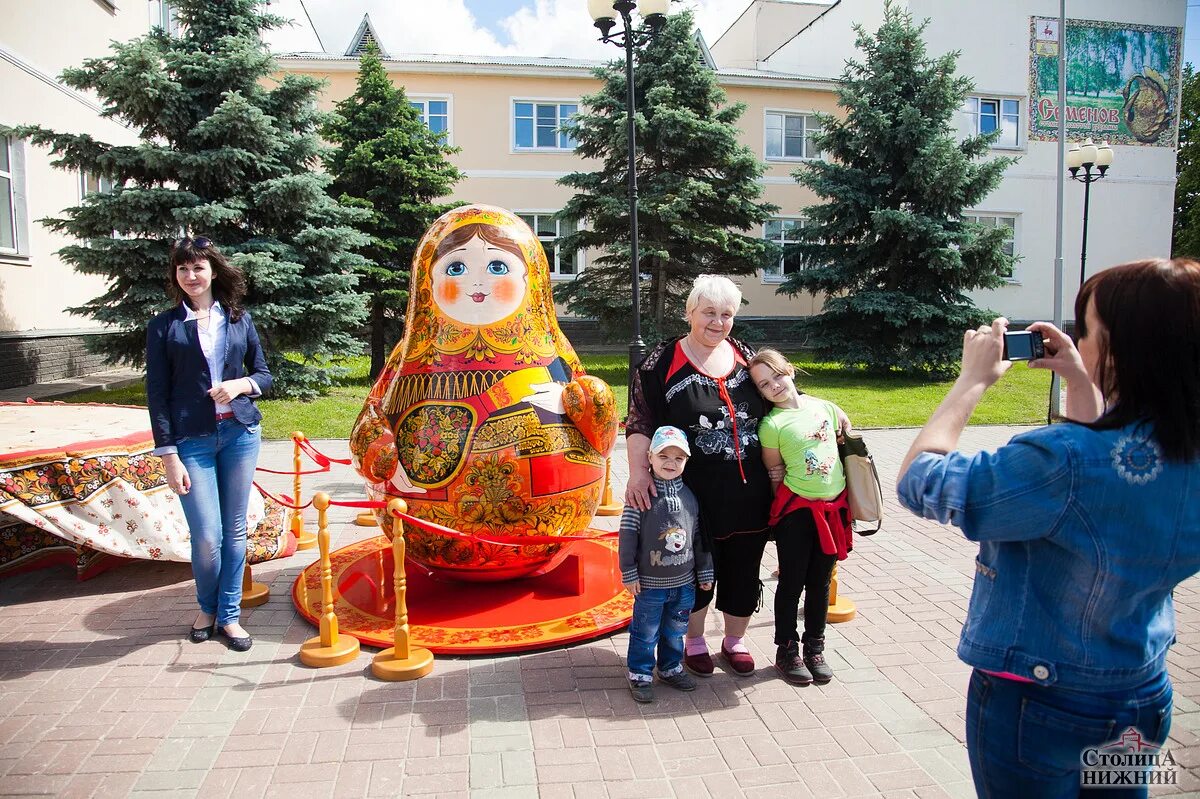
(204, 367)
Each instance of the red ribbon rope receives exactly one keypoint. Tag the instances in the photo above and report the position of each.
(428, 526)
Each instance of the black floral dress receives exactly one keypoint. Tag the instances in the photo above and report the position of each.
(725, 471)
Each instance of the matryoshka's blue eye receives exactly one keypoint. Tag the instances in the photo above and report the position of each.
(498, 268)
(456, 269)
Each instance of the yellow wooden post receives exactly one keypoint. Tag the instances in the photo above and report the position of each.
(253, 594)
(841, 608)
(608, 506)
(329, 648)
(401, 661)
(304, 538)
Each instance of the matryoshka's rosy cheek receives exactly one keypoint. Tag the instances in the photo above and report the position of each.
(505, 289)
(447, 292)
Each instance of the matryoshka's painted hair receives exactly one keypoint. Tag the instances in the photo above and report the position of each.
(489, 233)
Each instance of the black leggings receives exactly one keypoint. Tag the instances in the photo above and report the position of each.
(802, 567)
(736, 561)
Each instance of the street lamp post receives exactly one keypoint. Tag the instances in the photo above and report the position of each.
(1087, 156)
(604, 14)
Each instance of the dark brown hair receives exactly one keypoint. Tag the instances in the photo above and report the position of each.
(1149, 357)
(489, 233)
(228, 284)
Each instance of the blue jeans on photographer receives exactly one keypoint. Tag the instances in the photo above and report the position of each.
(660, 617)
(1025, 740)
(221, 469)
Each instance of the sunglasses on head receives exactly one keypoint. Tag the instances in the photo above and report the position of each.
(200, 243)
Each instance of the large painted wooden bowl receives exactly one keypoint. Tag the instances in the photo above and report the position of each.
(483, 420)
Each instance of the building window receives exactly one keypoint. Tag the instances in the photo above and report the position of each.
(549, 230)
(985, 114)
(435, 113)
(14, 239)
(536, 125)
(783, 233)
(94, 184)
(162, 15)
(1006, 221)
(791, 135)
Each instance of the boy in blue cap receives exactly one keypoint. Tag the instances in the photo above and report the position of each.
(662, 560)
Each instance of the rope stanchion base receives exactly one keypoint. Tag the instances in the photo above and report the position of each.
(253, 594)
(306, 540)
(386, 666)
(343, 650)
(841, 608)
(366, 519)
(581, 600)
(613, 509)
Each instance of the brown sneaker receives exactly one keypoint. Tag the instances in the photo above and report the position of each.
(789, 664)
(701, 665)
(742, 663)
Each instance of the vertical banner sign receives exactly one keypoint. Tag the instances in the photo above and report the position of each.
(1122, 81)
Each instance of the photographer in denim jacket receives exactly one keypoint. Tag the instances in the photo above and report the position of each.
(1084, 529)
(204, 364)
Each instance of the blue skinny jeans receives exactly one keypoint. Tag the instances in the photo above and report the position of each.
(221, 468)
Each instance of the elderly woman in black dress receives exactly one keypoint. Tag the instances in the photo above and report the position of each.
(700, 383)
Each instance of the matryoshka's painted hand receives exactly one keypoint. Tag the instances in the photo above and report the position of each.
(402, 484)
(547, 396)
(592, 407)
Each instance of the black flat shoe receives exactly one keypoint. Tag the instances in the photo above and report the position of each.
(199, 635)
(242, 644)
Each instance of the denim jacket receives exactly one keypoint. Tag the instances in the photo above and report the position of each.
(1082, 536)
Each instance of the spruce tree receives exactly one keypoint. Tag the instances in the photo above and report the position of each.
(390, 163)
(697, 187)
(226, 152)
(1185, 238)
(889, 246)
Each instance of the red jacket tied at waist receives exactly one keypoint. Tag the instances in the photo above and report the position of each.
(830, 516)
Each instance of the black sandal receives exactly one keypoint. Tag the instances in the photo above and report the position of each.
(199, 635)
(237, 644)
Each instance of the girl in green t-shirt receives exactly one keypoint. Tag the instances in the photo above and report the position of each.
(809, 514)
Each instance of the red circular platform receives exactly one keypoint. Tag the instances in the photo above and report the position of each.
(457, 618)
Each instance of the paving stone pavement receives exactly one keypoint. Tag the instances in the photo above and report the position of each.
(101, 695)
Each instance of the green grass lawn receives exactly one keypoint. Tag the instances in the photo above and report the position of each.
(870, 400)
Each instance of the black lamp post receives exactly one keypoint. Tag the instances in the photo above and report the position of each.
(605, 13)
(1087, 156)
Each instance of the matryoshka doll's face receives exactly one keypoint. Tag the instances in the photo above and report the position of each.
(479, 283)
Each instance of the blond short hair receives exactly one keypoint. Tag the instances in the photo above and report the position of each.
(715, 288)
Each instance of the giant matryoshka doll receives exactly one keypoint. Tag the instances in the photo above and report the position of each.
(483, 420)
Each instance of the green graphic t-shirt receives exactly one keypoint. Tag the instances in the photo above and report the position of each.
(806, 438)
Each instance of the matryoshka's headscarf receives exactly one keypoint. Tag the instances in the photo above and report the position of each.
(530, 333)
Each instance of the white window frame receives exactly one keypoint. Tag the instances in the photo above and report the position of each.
(100, 181)
(555, 269)
(785, 113)
(976, 215)
(19, 217)
(971, 117)
(536, 101)
(425, 99)
(780, 276)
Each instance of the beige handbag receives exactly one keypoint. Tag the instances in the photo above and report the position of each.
(862, 485)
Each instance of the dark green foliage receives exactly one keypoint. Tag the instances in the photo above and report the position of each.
(889, 246)
(226, 152)
(388, 162)
(696, 186)
(1185, 238)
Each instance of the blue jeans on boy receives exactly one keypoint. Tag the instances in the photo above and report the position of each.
(221, 469)
(1026, 740)
(660, 617)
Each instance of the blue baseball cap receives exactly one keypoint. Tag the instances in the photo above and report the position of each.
(669, 437)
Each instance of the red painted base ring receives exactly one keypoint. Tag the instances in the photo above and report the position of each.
(460, 618)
